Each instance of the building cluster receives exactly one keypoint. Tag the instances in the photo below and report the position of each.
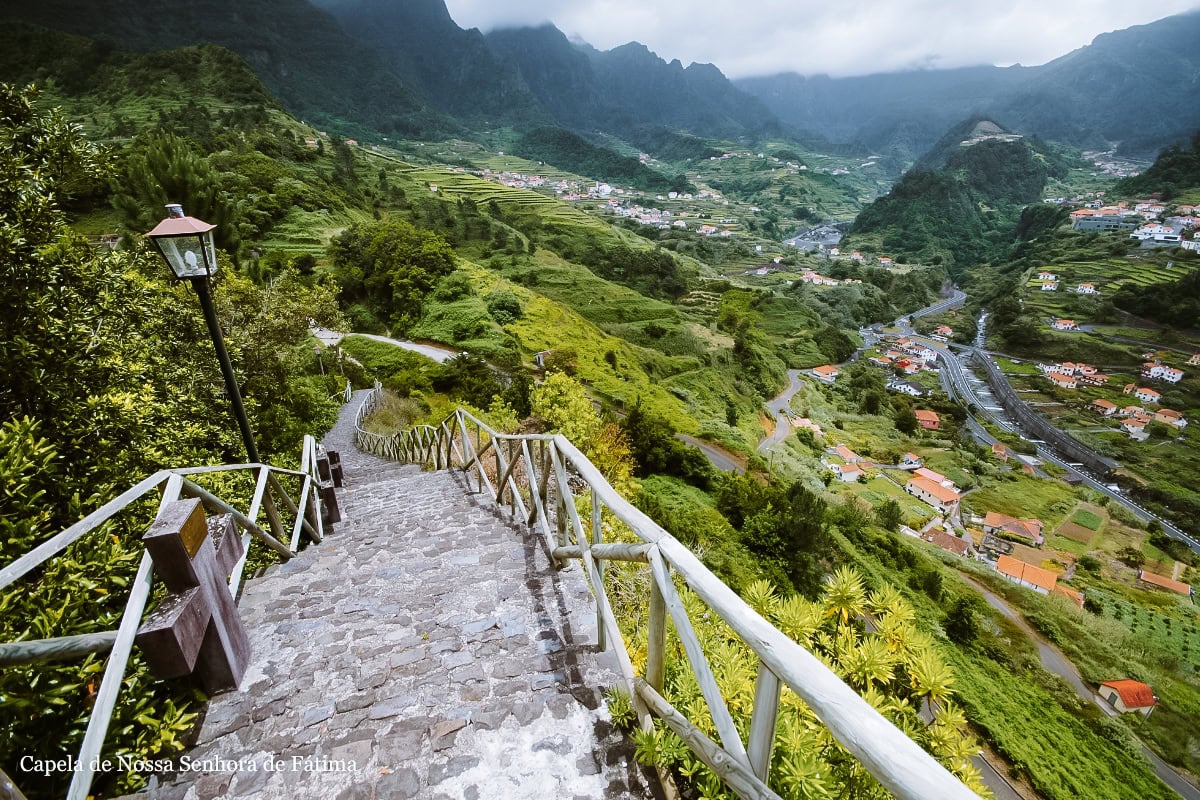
(1147, 221)
(909, 357)
(1070, 375)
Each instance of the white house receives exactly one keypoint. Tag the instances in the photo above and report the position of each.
(1064, 325)
(1050, 286)
(1162, 372)
(1128, 696)
(1164, 234)
(1086, 288)
(1047, 276)
(909, 388)
(934, 494)
(825, 374)
(1147, 395)
(847, 473)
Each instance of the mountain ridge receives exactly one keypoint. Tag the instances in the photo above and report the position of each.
(1113, 86)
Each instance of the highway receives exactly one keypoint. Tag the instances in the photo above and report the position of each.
(962, 386)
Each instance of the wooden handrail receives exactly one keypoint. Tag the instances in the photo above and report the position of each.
(120, 642)
(886, 752)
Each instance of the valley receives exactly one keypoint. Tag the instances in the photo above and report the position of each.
(952, 356)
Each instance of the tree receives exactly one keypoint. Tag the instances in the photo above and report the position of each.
(656, 450)
(162, 168)
(960, 623)
(905, 419)
(1132, 556)
(390, 267)
(889, 515)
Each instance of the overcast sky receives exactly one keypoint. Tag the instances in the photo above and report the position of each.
(761, 37)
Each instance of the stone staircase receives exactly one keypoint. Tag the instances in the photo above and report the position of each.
(425, 649)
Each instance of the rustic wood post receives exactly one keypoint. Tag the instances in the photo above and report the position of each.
(196, 629)
(598, 538)
(762, 721)
(656, 637)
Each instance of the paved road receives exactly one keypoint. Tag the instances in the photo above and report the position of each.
(1054, 661)
(718, 457)
(780, 406)
(439, 353)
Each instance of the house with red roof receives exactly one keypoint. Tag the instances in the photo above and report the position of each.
(947, 541)
(825, 374)
(1128, 696)
(936, 477)
(1161, 582)
(1038, 579)
(1105, 407)
(1146, 395)
(847, 473)
(1063, 325)
(929, 420)
(934, 494)
(1029, 530)
(1170, 416)
(847, 455)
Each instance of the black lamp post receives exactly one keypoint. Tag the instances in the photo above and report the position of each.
(186, 244)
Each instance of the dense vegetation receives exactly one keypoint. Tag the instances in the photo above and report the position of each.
(963, 208)
(108, 376)
(573, 153)
(1176, 304)
(1176, 169)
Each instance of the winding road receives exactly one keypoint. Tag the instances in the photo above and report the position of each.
(780, 406)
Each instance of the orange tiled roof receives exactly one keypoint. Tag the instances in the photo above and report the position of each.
(1134, 694)
(941, 493)
(1027, 572)
(1076, 597)
(926, 415)
(928, 474)
(1165, 583)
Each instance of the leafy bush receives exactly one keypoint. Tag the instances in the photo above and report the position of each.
(505, 307)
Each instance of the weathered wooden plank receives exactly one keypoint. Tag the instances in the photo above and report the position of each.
(731, 740)
(538, 513)
(597, 539)
(292, 507)
(235, 577)
(60, 648)
(607, 551)
(656, 637)
(260, 491)
(762, 721)
(300, 520)
(736, 774)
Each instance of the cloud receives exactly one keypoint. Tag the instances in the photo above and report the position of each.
(759, 37)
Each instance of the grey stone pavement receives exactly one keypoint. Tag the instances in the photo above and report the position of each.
(425, 649)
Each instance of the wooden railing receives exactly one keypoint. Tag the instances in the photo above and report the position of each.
(537, 477)
(282, 535)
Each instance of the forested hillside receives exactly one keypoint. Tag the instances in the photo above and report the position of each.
(960, 204)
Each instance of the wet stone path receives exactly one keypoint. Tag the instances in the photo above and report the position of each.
(425, 649)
